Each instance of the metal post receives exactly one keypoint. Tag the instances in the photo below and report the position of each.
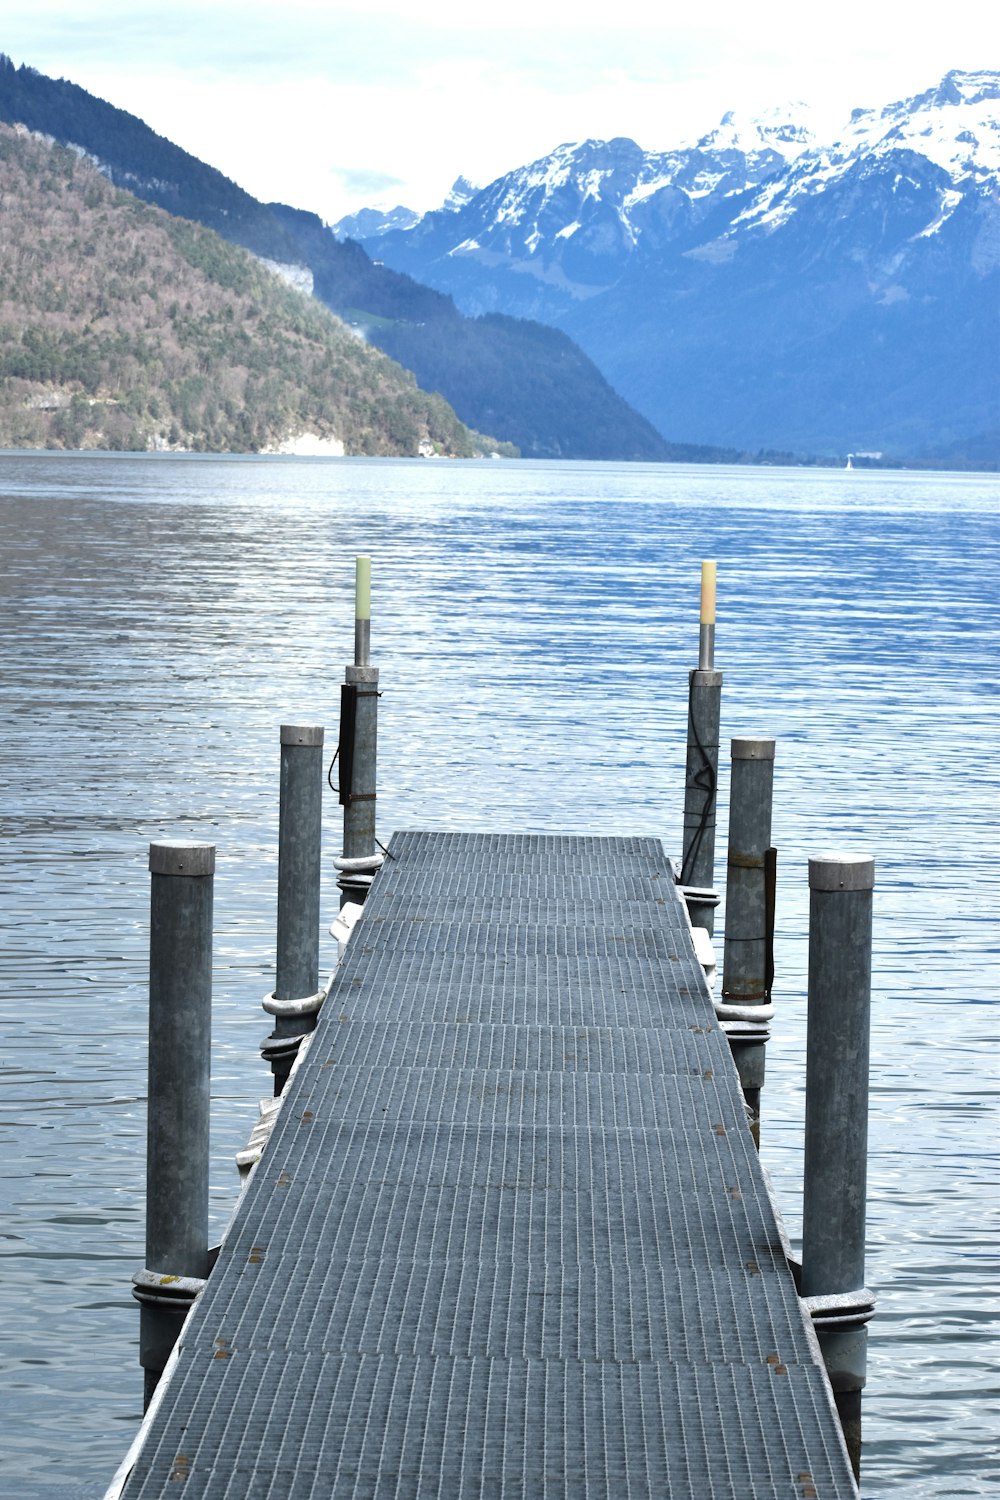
(745, 1007)
(836, 1137)
(180, 1036)
(358, 746)
(296, 999)
(701, 778)
(701, 781)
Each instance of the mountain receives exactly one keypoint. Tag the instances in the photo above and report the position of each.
(542, 393)
(369, 223)
(124, 327)
(768, 284)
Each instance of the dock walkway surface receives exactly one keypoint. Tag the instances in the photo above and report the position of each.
(510, 1236)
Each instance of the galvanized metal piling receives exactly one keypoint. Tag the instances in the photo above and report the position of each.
(296, 999)
(180, 1035)
(702, 773)
(836, 1135)
(357, 752)
(745, 1008)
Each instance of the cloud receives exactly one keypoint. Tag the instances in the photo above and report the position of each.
(287, 98)
(362, 181)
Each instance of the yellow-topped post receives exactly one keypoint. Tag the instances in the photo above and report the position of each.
(706, 644)
(362, 610)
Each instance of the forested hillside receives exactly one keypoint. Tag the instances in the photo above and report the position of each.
(504, 366)
(63, 110)
(123, 327)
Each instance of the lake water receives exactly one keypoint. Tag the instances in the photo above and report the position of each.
(534, 625)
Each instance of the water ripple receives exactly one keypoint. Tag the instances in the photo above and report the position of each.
(534, 625)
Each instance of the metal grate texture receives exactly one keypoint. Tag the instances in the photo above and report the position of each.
(510, 1236)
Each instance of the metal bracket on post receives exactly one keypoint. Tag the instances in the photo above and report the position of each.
(697, 896)
(840, 1320)
(356, 876)
(299, 1017)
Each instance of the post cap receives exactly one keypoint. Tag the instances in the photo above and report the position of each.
(180, 857)
(753, 749)
(360, 674)
(842, 872)
(302, 734)
(706, 677)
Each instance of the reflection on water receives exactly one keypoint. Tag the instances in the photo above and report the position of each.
(534, 625)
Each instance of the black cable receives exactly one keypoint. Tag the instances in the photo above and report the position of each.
(708, 785)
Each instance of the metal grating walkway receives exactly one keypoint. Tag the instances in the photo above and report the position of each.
(510, 1236)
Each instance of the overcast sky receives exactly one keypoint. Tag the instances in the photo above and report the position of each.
(331, 105)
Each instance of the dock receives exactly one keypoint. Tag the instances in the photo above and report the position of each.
(510, 1236)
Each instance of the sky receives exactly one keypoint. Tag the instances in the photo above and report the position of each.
(334, 105)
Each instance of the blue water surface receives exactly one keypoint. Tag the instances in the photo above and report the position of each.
(534, 625)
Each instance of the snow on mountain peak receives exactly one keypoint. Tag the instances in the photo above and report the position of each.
(956, 87)
(955, 126)
(785, 130)
(461, 192)
(605, 196)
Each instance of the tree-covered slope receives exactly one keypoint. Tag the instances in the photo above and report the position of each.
(123, 327)
(478, 364)
(134, 157)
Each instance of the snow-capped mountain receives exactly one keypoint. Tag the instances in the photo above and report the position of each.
(369, 223)
(461, 192)
(603, 195)
(768, 283)
(955, 127)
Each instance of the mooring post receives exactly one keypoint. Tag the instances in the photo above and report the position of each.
(357, 751)
(180, 1038)
(745, 1008)
(836, 1132)
(296, 998)
(702, 774)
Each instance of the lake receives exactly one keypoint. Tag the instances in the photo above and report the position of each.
(534, 625)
